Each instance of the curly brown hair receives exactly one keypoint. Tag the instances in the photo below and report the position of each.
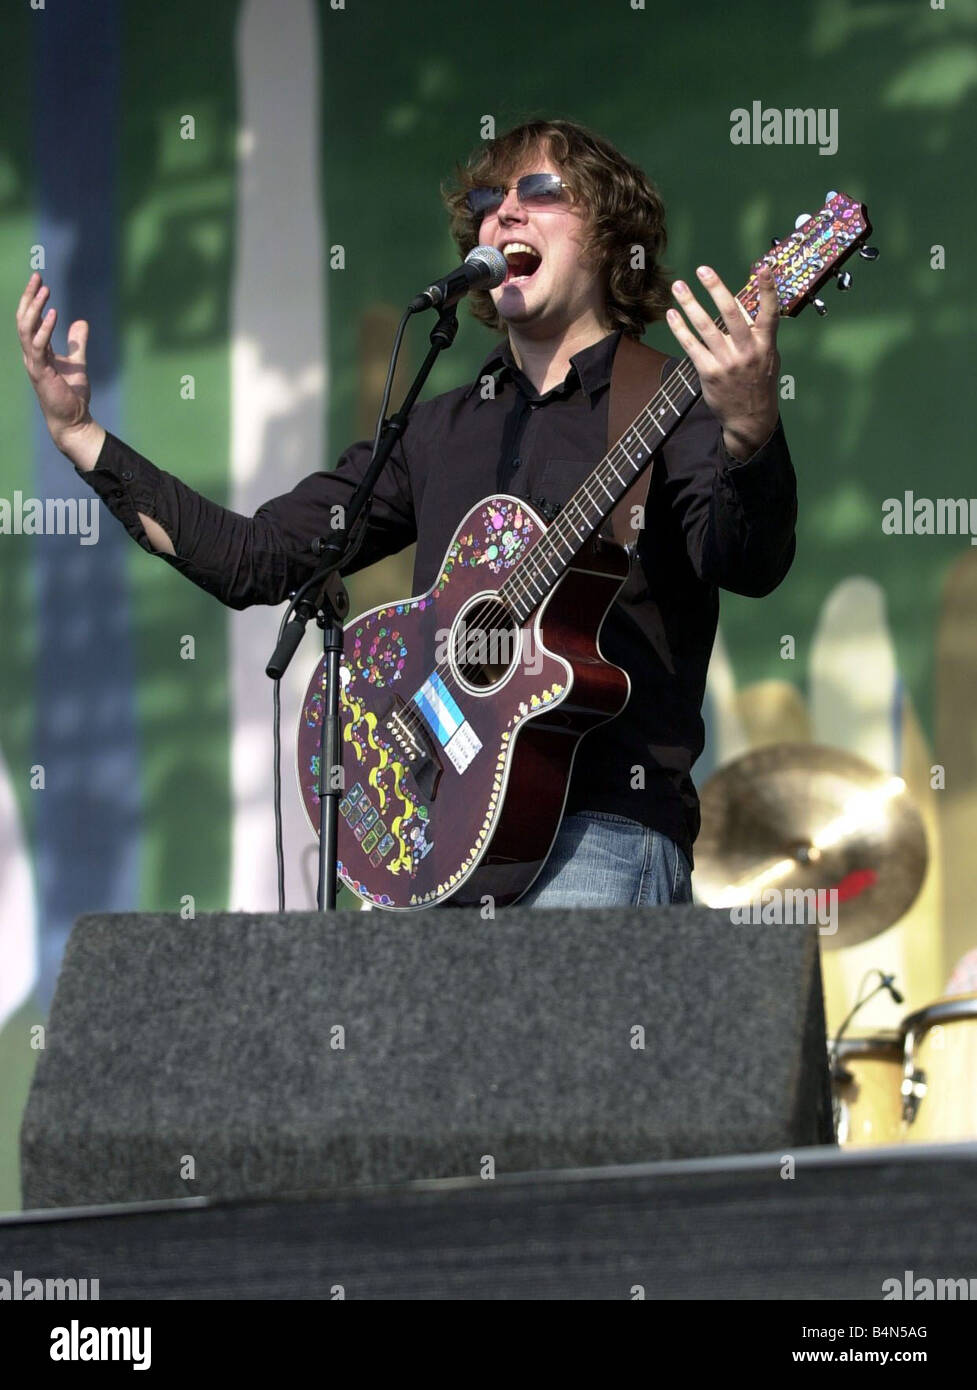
(625, 210)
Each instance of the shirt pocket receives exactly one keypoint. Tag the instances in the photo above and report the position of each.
(555, 482)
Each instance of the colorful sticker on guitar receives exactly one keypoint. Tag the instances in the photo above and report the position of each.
(380, 654)
(450, 727)
(439, 708)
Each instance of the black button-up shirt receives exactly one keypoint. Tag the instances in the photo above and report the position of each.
(711, 523)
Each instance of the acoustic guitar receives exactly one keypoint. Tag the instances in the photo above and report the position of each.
(462, 708)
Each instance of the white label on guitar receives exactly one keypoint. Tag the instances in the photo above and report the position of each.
(438, 707)
(453, 731)
(462, 746)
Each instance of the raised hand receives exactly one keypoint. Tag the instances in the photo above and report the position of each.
(739, 369)
(61, 383)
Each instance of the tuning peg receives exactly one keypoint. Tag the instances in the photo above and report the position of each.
(844, 280)
(820, 306)
(799, 221)
(869, 253)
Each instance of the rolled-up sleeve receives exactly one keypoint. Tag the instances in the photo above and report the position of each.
(259, 559)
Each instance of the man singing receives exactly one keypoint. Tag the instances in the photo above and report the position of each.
(567, 210)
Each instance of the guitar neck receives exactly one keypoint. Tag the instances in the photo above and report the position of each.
(585, 512)
(800, 263)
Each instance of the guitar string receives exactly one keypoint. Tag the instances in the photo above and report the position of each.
(649, 415)
(556, 534)
(497, 612)
(500, 612)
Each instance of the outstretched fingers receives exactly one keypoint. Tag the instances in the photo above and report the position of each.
(735, 317)
(41, 341)
(35, 332)
(34, 284)
(708, 332)
(695, 351)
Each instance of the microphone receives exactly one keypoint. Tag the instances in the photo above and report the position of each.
(887, 982)
(482, 269)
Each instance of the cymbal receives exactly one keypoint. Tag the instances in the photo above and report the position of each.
(801, 816)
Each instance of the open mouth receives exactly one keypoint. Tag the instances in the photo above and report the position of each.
(522, 260)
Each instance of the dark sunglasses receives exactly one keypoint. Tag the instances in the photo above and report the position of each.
(532, 190)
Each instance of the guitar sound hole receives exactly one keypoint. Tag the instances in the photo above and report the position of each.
(486, 642)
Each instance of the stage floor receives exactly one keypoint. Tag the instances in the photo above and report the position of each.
(840, 1227)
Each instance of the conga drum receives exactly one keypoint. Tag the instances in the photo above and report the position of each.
(939, 1081)
(865, 1078)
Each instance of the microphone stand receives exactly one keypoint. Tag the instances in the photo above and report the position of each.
(840, 1075)
(885, 982)
(324, 597)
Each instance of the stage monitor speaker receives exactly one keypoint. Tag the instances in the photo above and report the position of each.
(238, 1054)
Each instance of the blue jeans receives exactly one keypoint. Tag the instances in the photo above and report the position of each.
(602, 860)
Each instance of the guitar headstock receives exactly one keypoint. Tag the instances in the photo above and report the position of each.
(814, 252)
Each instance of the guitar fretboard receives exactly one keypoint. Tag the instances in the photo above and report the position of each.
(584, 512)
(800, 263)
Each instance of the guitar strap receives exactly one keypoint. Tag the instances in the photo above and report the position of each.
(635, 377)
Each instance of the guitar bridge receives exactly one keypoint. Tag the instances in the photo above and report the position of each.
(407, 733)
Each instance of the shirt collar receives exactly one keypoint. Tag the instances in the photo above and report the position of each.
(592, 364)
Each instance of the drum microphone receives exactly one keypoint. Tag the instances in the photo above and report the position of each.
(887, 982)
(482, 269)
